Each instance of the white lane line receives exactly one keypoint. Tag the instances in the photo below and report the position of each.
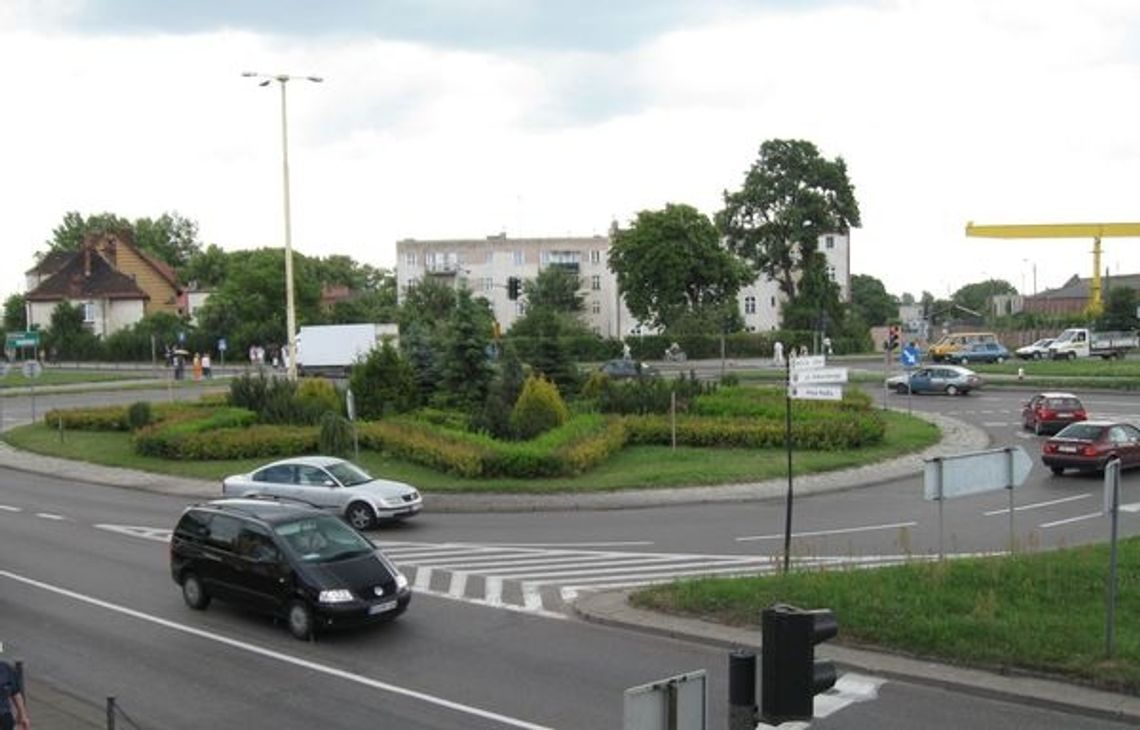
(280, 656)
(629, 543)
(458, 585)
(603, 570)
(532, 599)
(7, 508)
(423, 578)
(493, 591)
(158, 534)
(1133, 508)
(1070, 520)
(840, 531)
(996, 424)
(500, 606)
(1038, 505)
(50, 516)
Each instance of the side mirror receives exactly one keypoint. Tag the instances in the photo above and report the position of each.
(329, 483)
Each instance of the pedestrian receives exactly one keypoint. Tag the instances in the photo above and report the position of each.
(803, 351)
(197, 366)
(778, 353)
(827, 346)
(253, 355)
(13, 710)
(206, 365)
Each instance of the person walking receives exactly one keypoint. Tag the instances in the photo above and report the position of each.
(206, 366)
(197, 366)
(778, 353)
(13, 709)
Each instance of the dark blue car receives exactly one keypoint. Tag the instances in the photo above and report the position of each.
(979, 352)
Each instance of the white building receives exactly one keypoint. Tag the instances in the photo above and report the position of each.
(484, 265)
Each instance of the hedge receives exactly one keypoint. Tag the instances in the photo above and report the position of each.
(826, 435)
(229, 443)
(115, 418)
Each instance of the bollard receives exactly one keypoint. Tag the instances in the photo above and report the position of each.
(110, 713)
(742, 711)
(1021, 374)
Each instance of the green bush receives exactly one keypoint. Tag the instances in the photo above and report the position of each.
(538, 409)
(316, 397)
(274, 400)
(139, 415)
(256, 441)
(102, 418)
(335, 435)
(183, 438)
(383, 384)
(841, 432)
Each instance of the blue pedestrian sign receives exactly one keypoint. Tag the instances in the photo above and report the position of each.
(909, 356)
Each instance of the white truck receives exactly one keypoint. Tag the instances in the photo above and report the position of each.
(1081, 342)
(332, 349)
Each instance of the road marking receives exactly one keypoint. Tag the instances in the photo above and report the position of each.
(6, 508)
(838, 531)
(1133, 508)
(995, 424)
(158, 534)
(1058, 523)
(50, 516)
(280, 656)
(629, 543)
(1037, 505)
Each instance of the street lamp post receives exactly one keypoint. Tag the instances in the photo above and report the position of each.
(290, 310)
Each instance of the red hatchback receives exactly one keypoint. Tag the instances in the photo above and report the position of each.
(1050, 412)
(1088, 446)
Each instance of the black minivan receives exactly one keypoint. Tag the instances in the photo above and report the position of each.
(287, 559)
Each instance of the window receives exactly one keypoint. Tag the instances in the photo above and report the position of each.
(596, 282)
(750, 305)
(410, 258)
(596, 307)
(255, 544)
(545, 258)
(311, 476)
(829, 242)
(518, 258)
(282, 474)
(595, 257)
(88, 312)
(831, 272)
(488, 283)
(223, 531)
(772, 303)
(194, 525)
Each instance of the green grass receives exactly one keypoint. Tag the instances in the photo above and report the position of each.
(1042, 612)
(632, 468)
(1083, 368)
(16, 379)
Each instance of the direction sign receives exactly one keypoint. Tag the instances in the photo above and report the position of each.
(816, 392)
(909, 356)
(974, 473)
(819, 375)
(807, 362)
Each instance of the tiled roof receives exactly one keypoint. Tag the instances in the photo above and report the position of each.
(1078, 288)
(72, 282)
(51, 262)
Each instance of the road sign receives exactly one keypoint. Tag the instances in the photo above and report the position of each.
(676, 702)
(221, 344)
(350, 404)
(909, 356)
(974, 473)
(30, 338)
(807, 362)
(819, 375)
(816, 392)
(4, 369)
(32, 369)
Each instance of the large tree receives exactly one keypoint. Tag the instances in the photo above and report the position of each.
(978, 296)
(1119, 309)
(870, 300)
(791, 196)
(555, 288)
(428, 302)
(15, 313)
(670, 264)
(466, 370)
(170, 237)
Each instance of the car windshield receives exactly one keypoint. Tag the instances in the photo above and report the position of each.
(322, 539)
(1071, 404)
(1083, 431)
(348, 474)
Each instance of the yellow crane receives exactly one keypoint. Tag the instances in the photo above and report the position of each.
(1095, 231)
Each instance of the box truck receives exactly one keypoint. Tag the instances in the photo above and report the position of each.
(332, 349)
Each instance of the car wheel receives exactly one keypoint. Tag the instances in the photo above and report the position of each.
(300, 620)
(952, 390)
(1037, 356)
(360, 515)
(1072, 356)
(1057, 470)
(901, 389)
(194, 593)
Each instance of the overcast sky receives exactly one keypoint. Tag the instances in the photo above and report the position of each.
(452, 118)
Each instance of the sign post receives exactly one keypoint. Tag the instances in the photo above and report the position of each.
(32, 370)
(350, 407)
(1112, 508)
(909, 358)
(807, 378)
(4, 368)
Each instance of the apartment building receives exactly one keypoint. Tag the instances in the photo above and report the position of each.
(484, 265)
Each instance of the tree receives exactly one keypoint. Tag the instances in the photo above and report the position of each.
(870, 300)
(382, 384)
(1119, 309)
(428, 302)
(15, 313)
(466, 370)
(670, 263)
(817, 305)
(791, 196)
(206, 268)
(978, 296)
(556, 289)
(68, 336)
(170, 238)
(69, 235)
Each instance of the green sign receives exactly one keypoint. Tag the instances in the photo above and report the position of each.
(22, 339)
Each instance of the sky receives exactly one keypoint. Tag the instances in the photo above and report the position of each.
(462, 119)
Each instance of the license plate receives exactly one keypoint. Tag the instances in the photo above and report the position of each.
(381, 607)
(1064, 415)
(1067, 449)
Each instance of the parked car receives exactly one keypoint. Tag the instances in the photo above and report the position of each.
(1050, 412)
(979, 352)
(622, 368)
(1089, 445)
(948, 379)
(1035, 351)
(958, 341)
(333, 484)
(287, 560)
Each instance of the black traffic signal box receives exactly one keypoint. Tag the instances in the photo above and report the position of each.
(513, 285)
(791, 678)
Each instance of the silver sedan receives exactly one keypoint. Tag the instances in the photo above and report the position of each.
(334, 484)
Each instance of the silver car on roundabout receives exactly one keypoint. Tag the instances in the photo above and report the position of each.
(330, 483)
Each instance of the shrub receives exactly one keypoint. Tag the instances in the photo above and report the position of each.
(272, 399)
(335, 435)
(538, 409)
(382, 384)
(105, 418)
(316, 397)
(139, 415)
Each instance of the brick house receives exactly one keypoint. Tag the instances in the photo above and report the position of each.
(114, 282)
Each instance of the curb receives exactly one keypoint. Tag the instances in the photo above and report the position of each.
(612, 608)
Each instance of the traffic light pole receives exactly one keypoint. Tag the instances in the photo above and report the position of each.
(788, 444)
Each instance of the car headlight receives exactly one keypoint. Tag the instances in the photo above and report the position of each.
(337, 595)
(401, 581)
(391, 501)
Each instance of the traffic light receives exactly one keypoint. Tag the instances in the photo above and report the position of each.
(791, 677)
(513, 285)
(893, 337)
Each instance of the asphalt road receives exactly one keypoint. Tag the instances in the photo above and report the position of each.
(87, 601)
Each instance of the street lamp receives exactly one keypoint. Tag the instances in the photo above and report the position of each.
(290, 311)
